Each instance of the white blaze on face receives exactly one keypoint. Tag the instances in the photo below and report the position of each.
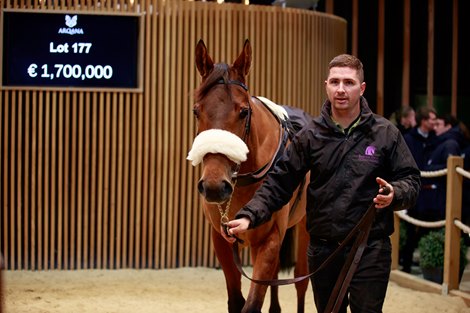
(218, 141)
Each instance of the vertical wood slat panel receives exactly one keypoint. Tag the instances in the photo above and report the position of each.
(94, 175)
(100, 179)
(73, 182)
(113, 179)
(196, 30)
(132, 186)
(39, 177)
(146, 237)
(12, 177)
(60, 182)
(53, 180)
(100, 188)
(87, 174)
(139, 187)
(3, 186)
(26, 199)
(169, 103)
(18, 175)
(66, 207)
(106, 180)
(120, 181)
(46, 208)
(158, 85)
(151, 60)
(80, 178)
(185, 247)
(126, 198)
(178, 118)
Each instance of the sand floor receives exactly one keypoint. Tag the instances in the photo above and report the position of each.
(173, 290)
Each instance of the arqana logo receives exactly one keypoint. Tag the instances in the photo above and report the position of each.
(70, 21)
(370, 150)
(370, 155)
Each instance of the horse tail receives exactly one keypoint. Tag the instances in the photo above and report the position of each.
(287, 253)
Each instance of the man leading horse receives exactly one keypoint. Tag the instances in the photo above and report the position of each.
(352, 155)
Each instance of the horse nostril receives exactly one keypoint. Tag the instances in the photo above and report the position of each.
(200, 187)
(227, 188)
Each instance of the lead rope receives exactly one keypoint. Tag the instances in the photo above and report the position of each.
(224, 213)
(362, 230)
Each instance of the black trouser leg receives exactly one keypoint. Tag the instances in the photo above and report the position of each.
(368, 287)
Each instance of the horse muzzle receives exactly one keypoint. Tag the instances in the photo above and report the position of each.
(215, 192)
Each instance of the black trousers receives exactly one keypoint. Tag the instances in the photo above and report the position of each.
(413, 235)
(366, 293)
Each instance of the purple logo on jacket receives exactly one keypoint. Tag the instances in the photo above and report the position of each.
(370, 150)
(369, 155)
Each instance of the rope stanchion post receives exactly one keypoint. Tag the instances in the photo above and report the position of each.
(395, 238)
(453, 212)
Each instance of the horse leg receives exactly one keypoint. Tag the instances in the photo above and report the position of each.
(265, 266)
(275, 307)
(223, 251)
(301, 266)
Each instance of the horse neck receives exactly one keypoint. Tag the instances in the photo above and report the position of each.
(263, 138)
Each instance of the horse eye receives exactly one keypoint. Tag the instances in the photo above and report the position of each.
(244, 112)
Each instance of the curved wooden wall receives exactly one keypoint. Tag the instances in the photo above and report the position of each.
(100, 179)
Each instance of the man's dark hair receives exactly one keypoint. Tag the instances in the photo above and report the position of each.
(448, 119)
(347, 60)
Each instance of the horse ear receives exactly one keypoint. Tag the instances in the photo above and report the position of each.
(243, 62)
(204, 63)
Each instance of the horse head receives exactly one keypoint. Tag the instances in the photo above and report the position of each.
(223, 111)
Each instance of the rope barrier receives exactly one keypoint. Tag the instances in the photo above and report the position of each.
(438, 173)
(435, 224)
(462, 226)
(463, 172)
(404, 216)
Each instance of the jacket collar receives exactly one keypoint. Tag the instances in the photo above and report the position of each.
(365, 122)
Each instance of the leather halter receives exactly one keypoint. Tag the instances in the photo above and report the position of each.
(248, 117)
(246, 179)
(249, 178)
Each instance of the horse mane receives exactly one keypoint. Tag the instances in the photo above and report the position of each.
(219, 72)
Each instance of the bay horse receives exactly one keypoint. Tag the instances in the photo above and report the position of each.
(238, 139)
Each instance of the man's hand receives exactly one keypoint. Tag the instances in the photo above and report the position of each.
(382, 199)
(234, 228)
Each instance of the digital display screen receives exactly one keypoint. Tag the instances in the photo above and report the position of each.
(63, 49)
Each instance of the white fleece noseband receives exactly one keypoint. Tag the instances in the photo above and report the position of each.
(218, 141)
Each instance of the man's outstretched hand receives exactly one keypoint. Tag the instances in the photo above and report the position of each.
(385, 195)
